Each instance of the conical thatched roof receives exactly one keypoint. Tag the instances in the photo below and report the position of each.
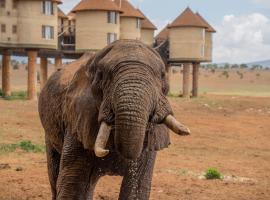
(61, 14)
(146, 23)
(128, 9)
(209, 27)
(187, 19)
(164, 33)
(102, 5)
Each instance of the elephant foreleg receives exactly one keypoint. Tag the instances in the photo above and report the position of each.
(137, 180)
(75, 169)
(53, 162)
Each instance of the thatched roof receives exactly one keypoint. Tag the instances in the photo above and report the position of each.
(209, 27)
(102, 5)
(128, 9)
(164, 33)
(61, 14)
(187, 19)
(146, 23)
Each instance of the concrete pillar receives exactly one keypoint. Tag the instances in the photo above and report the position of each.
(58, 63)
(32, 75)
(43, 71)
(169, 71)
(186, 72)
(6, 74)
(195, 80)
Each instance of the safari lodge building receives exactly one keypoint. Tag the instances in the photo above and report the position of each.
(38, 28)
(188, 42)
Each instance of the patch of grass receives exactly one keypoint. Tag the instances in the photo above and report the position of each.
(212, 173)
(171, 94)
(7, 148)
(18, 95)
(25, 145)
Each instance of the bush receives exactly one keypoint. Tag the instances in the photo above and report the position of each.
(212, 173)
(16, 66)
(240, 74)
(226, 74)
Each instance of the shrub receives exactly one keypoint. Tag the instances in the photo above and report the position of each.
(226, 74)
(213, 173)
(240, 74)
(16, 66)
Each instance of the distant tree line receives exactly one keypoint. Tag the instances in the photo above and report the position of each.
(214, 66)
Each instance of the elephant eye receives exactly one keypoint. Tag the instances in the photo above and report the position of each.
(162, 75)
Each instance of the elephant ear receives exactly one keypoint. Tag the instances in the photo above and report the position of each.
(80, 107)
(158, 137)
(96, 70)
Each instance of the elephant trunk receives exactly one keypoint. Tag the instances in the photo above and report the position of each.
(132, 107)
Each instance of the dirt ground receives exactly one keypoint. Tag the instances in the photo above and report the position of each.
(229, 132)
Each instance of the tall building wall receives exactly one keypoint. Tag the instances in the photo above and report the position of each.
(28, 17)
(187, 43)
(208, 46)
(129, 29)
(147, 36)
(8, 18)
(92, 28)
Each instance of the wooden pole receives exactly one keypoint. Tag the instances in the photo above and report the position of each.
(6, 74)
(58, 63)
(43, 71)
(32, 75)
(195, 80)
(186, 72)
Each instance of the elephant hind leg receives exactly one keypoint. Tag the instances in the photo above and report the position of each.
(53, 163)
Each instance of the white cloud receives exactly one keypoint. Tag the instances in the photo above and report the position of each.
(242, 38)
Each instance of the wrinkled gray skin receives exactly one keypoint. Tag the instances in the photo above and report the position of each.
(123, 85)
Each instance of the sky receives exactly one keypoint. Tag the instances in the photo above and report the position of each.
(243, 26)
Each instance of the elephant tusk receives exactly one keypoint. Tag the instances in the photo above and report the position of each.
(176, 126)
(102, 139)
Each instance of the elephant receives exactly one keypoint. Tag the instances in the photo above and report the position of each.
(107, 114)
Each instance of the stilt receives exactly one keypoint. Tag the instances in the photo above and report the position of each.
(169, 71)
(195, 80)
(58, 63)
(32, 75)
(43, 71)
(6, 74)
(186, 72)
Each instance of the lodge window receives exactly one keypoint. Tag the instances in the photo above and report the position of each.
(14, 4)
(112, 17)
(48, 32)
(111, 37)
(3, 28)
(2, 3)
(47, 7)
(138, 23)
(14, 29)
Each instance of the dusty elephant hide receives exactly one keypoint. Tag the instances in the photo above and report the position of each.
(77, 94)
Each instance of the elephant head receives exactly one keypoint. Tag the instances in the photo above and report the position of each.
(128, 79)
